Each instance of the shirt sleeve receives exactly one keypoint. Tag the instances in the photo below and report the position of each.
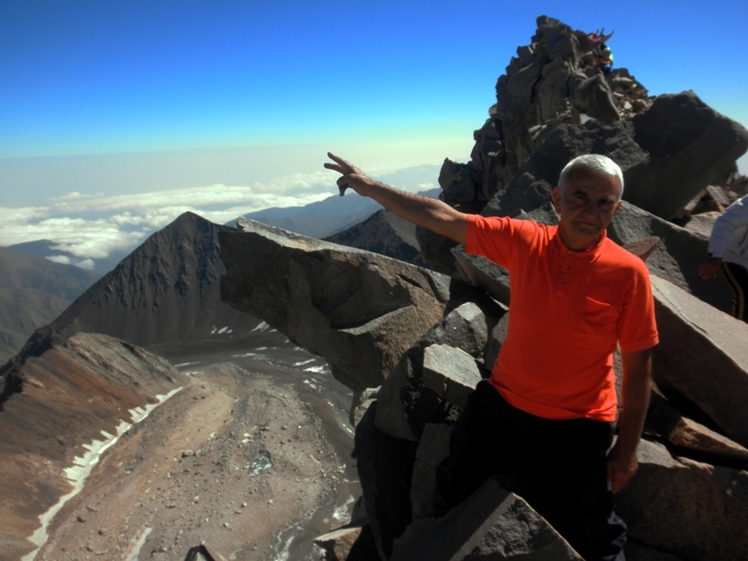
(495, 237)
(734, 219)
(637, 327)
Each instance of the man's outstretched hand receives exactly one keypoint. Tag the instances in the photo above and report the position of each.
(351, 176)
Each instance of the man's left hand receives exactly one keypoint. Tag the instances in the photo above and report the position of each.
(622, 466)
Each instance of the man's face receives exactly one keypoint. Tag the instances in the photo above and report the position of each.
(586, 207)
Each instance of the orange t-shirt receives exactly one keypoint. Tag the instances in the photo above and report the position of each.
(568, 310)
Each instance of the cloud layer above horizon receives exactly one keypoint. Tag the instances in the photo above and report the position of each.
(94, 226)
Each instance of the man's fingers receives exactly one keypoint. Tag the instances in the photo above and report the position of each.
(342, 166)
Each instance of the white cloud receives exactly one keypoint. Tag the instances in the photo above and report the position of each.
(92, 226)
(10, 217)
(282, 191)
(61, 259)
(86, 264)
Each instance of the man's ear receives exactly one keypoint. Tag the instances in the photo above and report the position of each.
(556, 200)
(618, 206)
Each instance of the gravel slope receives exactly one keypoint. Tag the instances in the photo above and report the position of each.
(251, 458)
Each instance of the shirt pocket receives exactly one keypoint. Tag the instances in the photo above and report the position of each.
(599, 317)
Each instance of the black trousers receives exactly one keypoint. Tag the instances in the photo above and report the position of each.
(737, 276)
(559, 467)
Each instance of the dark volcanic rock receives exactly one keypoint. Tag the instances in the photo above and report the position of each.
(385, 468)
(690, 146)
(359, 310)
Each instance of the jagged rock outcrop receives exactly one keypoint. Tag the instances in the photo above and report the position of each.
(553, 104)
(359, 310)
(76, 394)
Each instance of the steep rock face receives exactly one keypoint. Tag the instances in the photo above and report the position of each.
(357, 309)
(165, 291)
(71, 393)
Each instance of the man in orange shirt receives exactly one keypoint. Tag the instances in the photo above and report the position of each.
(548, 412)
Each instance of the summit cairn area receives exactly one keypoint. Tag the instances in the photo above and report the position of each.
(689, 500)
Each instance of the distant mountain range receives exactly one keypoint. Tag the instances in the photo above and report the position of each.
(384, 233)
(319, 219)
(47, 248)
(324, 218)
(33, 292)
(336, 214)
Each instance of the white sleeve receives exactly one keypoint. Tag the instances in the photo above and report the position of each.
(734, 218)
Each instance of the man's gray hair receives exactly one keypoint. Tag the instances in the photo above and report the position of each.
(594, 163)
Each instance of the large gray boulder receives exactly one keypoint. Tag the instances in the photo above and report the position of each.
(676, 258)
(690, 146)
(359, 310)
(696, 511)
(702, 358)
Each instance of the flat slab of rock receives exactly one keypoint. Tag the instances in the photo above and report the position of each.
(703, 357)
(692, 438)
(359, 310)
(492, 524)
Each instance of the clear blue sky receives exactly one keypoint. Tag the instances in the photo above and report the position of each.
(117, 97)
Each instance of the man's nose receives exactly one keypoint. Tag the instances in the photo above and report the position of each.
(591, 207)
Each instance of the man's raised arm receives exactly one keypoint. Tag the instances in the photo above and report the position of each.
(423, 211)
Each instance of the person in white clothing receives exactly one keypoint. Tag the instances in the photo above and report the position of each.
(728, 251)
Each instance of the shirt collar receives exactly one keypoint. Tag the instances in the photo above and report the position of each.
(589, 254)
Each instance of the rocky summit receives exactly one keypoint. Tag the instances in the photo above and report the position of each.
(412, 343)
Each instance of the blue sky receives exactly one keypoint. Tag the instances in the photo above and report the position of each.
(114, 103)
